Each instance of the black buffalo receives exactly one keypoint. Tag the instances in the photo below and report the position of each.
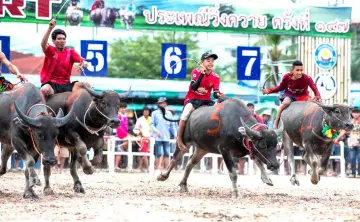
(303, 124)
(26, 125)
(231, 130)
(94, 112)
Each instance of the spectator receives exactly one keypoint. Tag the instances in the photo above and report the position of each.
(354, 142)
(161, 130)
(121, 133)
(266, 116)
(61, 153)
(142, 129)
(252, 110)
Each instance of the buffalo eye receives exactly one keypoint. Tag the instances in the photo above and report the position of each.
(337, 111)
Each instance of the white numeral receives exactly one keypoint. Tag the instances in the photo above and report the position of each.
(172, 58)
(249, 53)
(100, 58)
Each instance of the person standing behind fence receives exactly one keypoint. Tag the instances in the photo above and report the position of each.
(354, 142)
(161, 131)
(121, 133)
(142, 129)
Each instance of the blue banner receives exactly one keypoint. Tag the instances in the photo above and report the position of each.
(5, 48)
(248, 63)
(95, 53)
(173, 62)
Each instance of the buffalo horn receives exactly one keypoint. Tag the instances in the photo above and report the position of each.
(32, 122)
(250, 132)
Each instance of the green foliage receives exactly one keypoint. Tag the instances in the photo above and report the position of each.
(141, 58)
(276, 54)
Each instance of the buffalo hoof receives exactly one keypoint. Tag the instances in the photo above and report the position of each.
(34, 181)
(78, 188)
(30, 194)
(235, 194)
(96, 160)
(294, 181)
(48, 191)
(2, 171)
(88, 170)
(315, 179)
(183, 188)
(267, 181)
(161, 177)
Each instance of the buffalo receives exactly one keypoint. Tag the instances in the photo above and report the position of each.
(229, 129)
(93, 113)
(303, 125)
(27, 126)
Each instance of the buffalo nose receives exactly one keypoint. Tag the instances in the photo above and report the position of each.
(51, 162)
(349, 126)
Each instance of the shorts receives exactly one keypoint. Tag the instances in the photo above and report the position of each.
(5, 85)
(144, 145)
(197, 103)
(67, 87)
(64, 152)
(118, 146)
(162, 148)
(294, 98)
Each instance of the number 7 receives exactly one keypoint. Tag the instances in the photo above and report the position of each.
(249, 53)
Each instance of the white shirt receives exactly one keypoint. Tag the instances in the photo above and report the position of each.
(142, 125)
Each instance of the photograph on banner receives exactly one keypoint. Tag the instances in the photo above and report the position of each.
(186, 15)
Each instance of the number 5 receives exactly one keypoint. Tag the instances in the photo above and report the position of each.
(97, 55)
(249, 53)
(172, 58)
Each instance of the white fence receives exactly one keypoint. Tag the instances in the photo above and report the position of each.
(110, 154)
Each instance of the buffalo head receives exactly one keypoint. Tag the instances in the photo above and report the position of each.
(337, 116)
(265, 143)
(43, 130)
(107, 105)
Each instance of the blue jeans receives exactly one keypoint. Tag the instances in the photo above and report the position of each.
(355, 155)
(162, 148)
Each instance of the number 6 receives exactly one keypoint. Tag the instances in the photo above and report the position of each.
(168, 58)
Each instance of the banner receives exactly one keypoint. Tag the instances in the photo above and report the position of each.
(185, 15)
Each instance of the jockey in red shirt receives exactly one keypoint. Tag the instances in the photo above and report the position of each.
(296, 85)
(203, 81)
(59, 60)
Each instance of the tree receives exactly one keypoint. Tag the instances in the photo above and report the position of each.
(141, 57)
(275, 55)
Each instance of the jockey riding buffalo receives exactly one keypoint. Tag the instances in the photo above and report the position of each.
(31, 130)
(93, 113)
(229, 129)
(312, 126)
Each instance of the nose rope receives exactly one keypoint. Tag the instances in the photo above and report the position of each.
(250, 145)
(84, 122)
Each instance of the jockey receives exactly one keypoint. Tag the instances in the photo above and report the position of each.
(5, 85)
(296, 85)
(97, 4)
(131, 7)
(203, 81)
(58, 63)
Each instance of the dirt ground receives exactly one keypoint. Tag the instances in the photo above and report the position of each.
(139, 197)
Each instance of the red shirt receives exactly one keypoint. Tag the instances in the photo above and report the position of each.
(209, 82)
(258, 118)
(297, 87)
(58, 65)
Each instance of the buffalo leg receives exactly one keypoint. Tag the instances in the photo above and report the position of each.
(289, 148)
(311, 159)
(98, 151)
(195, 158)
(6, 152)
(81, 149)
(325, 160)
(177, 156)
(231, 168)
(78, 188)
(30, 175)
(264, 176)
(47, 173)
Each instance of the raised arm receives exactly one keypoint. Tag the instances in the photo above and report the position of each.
(44, 41)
